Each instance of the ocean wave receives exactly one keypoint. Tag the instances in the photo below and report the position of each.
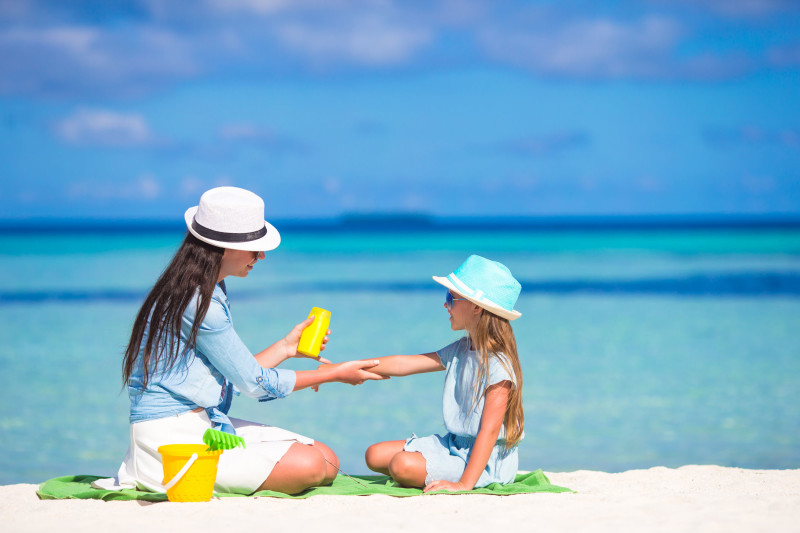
(757, 284)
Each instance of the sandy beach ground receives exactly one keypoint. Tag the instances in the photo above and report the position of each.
(690, 498)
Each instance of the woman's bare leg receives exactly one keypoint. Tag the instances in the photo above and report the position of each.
(331, 462)
(301, 467)
(378, 456)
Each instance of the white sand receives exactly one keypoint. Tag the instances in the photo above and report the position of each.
(690, 498)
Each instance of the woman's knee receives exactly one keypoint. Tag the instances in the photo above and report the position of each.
(331, 462)
(300, 468)
(304, 465)
(312, 467)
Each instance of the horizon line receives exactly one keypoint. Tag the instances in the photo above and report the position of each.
(422, 221)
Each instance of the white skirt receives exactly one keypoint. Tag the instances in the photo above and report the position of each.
(241, 470)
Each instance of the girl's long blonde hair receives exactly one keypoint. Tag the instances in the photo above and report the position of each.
(493, 337)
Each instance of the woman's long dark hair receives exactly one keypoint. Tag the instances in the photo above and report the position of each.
(196, 265)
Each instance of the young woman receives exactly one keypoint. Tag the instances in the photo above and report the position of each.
(185, 362)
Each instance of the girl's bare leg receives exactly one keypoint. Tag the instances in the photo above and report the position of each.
(302, 466)
(378, 456)
(409, 469)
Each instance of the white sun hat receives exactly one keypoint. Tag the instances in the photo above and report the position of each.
(230, 217)
(487, 284)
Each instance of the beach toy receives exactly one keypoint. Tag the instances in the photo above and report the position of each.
(190, 471)
(219, 440)
(311, 338)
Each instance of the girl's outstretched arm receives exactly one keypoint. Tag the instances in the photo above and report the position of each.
(393, 365)
(406, 365)
(494, 411)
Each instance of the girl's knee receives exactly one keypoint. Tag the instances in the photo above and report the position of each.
(400, 465)
(408, 468)
(379, 455)
(374, 457)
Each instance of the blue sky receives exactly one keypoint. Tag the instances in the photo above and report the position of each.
(130, 109)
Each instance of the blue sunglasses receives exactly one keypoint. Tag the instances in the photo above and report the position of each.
(448, 300)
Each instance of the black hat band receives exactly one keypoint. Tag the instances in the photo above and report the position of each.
(223, 236)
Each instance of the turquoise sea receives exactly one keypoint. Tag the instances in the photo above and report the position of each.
(640, 347)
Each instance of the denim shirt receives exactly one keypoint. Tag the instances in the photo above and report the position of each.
(209, 375)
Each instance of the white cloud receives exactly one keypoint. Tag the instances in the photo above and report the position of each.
(785, 56)
(599, 48)
(332, 185)
(649, 183)
(366, 41)
(525, 182)
(148, 186)
(223, 180)
(325, 32)
(415, 202)
(89, 60)
(262, 137)
(145, 187)
(191, 186)
(105, 49)
(104, 128)
(73, 40)
(739, 8)
(552, 143)
(242, 131)
(753, 135)
(257, 7)
(758, 185)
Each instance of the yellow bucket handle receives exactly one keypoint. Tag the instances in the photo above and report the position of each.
(181, 472)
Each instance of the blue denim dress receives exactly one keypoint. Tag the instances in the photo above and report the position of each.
(446, 456)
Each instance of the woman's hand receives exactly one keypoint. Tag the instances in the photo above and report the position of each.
(446, 485)
(292, 340)
(354, 372)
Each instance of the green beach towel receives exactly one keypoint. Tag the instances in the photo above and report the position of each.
(79, 487)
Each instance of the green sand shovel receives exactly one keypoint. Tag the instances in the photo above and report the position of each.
(219, 440)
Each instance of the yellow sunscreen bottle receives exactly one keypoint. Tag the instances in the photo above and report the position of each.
(311, 338)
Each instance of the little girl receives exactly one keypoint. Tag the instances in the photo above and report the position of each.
(482, 400)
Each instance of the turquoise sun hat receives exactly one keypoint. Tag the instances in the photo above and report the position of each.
(485, 283)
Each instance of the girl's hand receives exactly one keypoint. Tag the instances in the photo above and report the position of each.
(446, 485)
(358, 378)
(354, 372)
(291, 341)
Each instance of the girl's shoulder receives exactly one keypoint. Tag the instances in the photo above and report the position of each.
(499, 357)
(501, 368)
(454, 349)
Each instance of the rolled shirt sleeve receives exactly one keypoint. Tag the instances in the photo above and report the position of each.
(221, 345)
